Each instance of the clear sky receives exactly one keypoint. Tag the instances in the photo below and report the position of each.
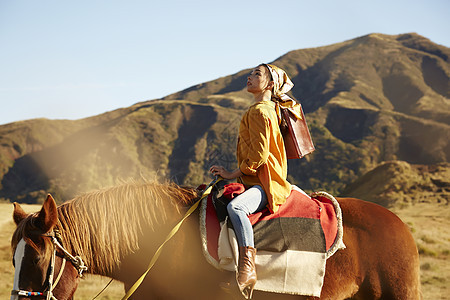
(74, 59)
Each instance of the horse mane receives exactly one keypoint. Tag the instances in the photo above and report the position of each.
(100, 221)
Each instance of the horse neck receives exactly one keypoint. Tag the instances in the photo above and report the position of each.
(181, 262)
(104, 230)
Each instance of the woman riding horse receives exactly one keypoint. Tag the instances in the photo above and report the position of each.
(262, 164)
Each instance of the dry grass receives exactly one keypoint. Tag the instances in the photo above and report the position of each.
(430, 226)
(429, 223)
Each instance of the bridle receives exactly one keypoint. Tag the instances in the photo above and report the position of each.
(76, 261)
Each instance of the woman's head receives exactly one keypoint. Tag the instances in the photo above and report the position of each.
(259, 82)
(269, 81)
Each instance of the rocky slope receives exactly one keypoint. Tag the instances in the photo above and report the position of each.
(396, 184)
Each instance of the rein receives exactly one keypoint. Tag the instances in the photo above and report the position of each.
(174, 230)
(76, 261)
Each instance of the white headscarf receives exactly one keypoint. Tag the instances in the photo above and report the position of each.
(282, 85)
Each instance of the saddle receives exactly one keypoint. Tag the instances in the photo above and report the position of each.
(222, 193)
(293, 243)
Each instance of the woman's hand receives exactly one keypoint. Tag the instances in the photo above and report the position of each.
(224, 173)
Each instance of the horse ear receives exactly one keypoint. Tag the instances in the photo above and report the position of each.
(48, 215)
(19, 214)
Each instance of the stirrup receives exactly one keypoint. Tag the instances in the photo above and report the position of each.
(248, 292)
(233, 288)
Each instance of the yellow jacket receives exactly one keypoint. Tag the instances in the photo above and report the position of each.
(261, 154)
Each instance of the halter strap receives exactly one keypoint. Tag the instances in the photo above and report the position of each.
(63, 265)
(77, 262)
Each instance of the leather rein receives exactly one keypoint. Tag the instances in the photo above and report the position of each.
(76, 261)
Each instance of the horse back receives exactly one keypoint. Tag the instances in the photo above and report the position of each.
(381, 259)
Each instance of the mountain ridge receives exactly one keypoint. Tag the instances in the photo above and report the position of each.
(367, 100)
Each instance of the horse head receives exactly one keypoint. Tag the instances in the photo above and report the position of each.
(39, 258)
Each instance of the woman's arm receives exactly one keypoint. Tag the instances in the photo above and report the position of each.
(224, 173)
(256, 147)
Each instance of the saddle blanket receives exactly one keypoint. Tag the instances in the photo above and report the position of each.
(292, 244)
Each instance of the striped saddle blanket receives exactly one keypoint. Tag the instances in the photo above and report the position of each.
(292, 244)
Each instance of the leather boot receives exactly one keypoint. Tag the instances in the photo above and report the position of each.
(246, 276)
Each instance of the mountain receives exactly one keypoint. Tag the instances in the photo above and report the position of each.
(396, 184)
(369, 100)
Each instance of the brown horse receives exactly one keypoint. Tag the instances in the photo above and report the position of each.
(116, 232)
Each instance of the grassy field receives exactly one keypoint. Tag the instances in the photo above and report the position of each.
(430, 226)
(429, 223)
